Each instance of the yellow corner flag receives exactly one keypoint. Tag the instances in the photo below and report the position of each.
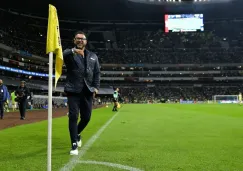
(53, 43)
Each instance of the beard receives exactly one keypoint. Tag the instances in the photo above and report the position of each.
(80, 46)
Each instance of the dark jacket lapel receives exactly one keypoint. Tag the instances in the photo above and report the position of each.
(88, 58)
(77, 60)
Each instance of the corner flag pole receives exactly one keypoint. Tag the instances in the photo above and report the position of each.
(49, 147)
(50, 111)
(53, 46)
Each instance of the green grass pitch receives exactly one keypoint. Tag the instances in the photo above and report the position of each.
(158, 137)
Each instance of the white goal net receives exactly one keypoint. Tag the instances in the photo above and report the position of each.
(226, 98)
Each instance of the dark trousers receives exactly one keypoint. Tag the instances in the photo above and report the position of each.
(79, 103)
(1, 109)
(22, 108)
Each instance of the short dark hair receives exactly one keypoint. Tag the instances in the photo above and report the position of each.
(79, 32)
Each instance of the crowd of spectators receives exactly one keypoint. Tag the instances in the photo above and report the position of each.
(175, 94)
(136, 47)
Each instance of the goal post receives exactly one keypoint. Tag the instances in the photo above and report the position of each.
(225, 98)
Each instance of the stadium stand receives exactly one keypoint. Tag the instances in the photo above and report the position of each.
(146, 64)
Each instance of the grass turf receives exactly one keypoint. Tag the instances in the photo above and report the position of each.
(161, 137)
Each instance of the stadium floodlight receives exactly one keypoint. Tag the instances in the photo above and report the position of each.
(225, 99)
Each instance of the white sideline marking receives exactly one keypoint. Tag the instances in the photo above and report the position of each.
(114, 165)
(74, 160)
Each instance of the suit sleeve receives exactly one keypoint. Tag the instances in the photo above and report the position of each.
(96, 79)
(66, 55)
(67, 52)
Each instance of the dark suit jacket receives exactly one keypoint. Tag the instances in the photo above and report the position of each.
(25, 92)
(78, 75)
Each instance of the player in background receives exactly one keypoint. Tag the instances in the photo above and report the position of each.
(13, 102)
(240, 98)
(115, 99)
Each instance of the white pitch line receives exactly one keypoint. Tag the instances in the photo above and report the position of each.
(114, 165)
(73, 162)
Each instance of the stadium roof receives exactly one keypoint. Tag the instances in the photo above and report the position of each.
(122, 9)
(174, 2)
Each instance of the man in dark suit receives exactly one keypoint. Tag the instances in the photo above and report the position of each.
(82, 83)
(22, 94)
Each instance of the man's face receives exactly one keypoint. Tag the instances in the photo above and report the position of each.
(22, 84)
(80, 41)
(1, 82)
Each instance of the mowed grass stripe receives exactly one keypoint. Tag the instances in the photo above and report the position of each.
(173, 137)
(233, 110)
(150, 137)
(25, 147)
